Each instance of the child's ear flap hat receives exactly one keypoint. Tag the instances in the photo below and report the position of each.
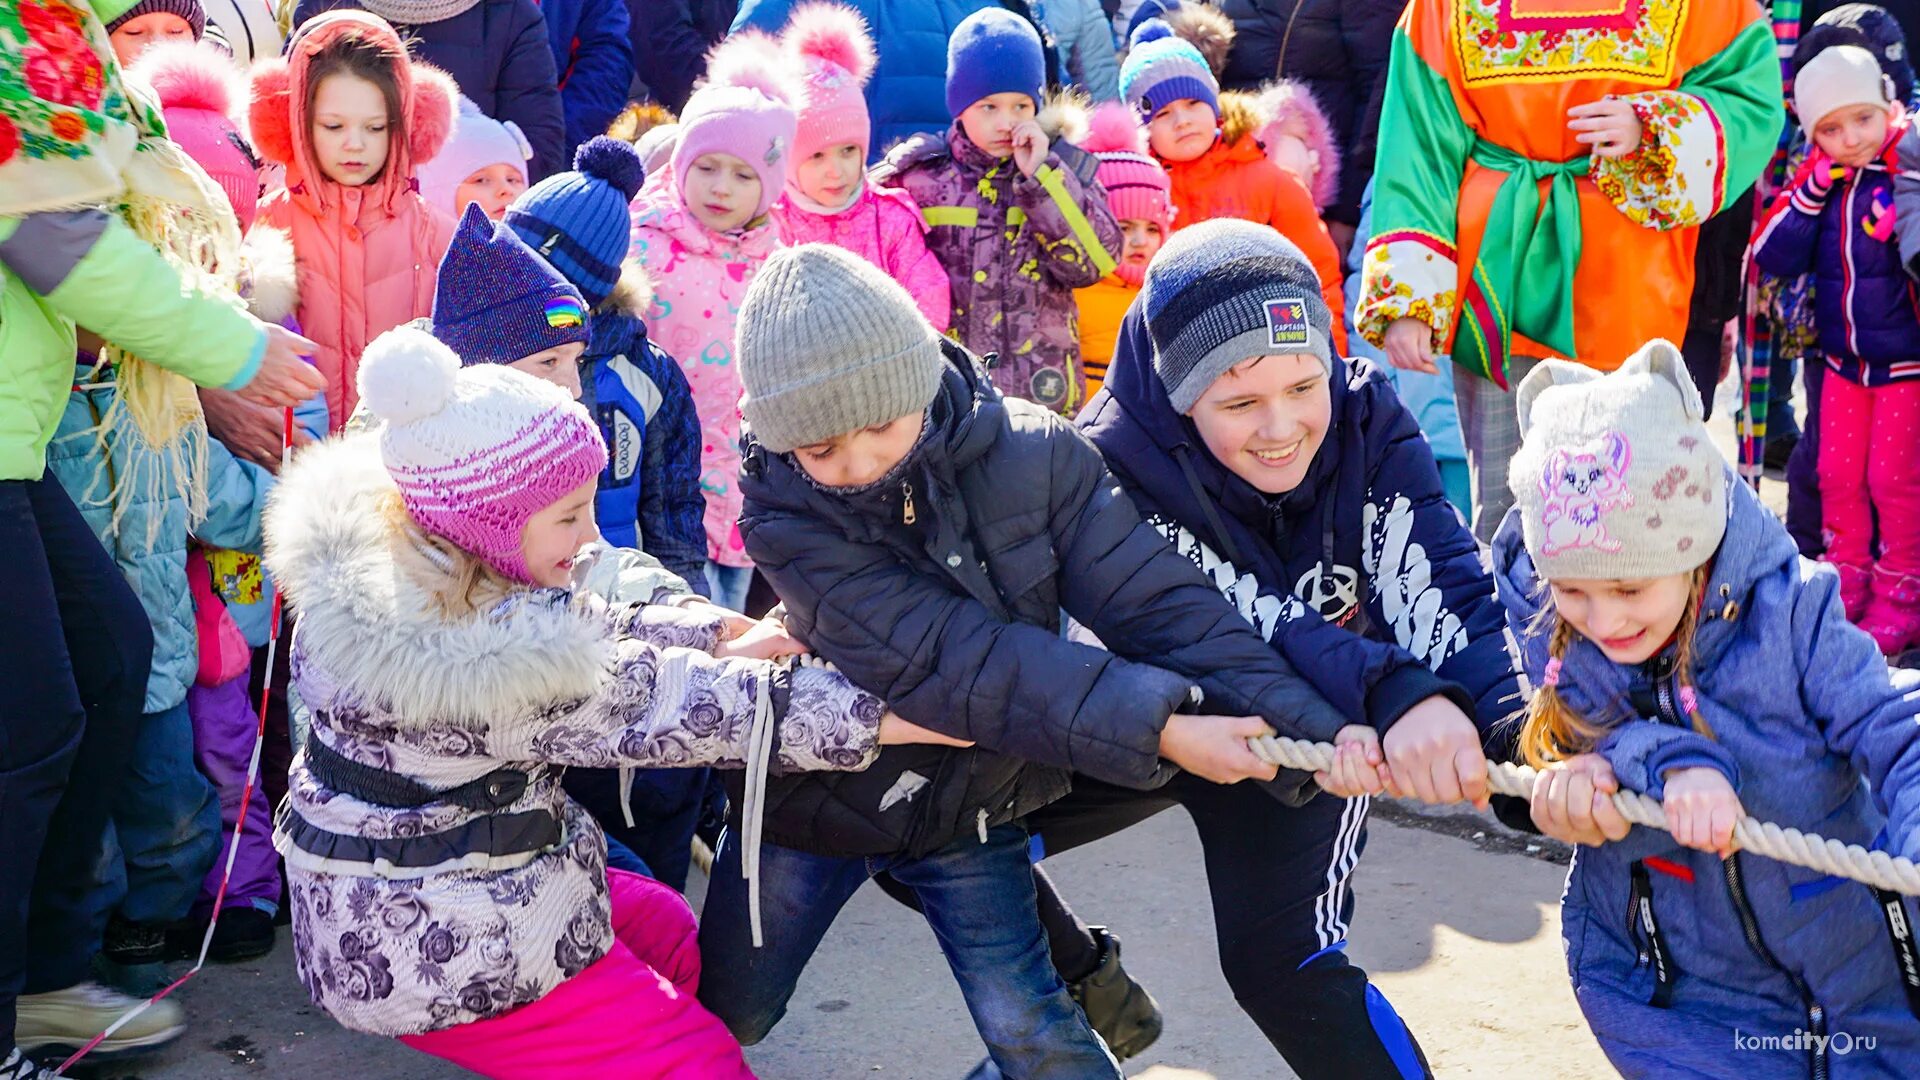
(1616, 478)
(477, 451)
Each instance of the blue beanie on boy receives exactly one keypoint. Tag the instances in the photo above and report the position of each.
(497, 302)
(993, 51)
(578, 220)
(1163, 68)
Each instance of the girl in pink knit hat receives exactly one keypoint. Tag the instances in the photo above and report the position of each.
(828, 198)
(701, 228)
(1141, 198)
(444, 888)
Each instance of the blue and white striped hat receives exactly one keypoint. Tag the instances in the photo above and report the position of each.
(1163, 68)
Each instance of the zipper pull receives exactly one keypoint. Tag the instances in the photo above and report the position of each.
(981, 821)
(906, 514)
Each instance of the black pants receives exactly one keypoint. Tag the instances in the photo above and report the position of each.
(1280, 878)
(75, 652)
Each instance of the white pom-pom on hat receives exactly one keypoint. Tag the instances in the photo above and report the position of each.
(407, 374)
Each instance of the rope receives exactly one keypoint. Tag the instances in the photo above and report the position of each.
(1875, 868)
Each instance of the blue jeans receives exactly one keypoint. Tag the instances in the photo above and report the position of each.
(727, 585)
(165, 831)
(979, 900)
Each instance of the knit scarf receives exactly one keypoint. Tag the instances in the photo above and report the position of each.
(75, 135)
(417, 12)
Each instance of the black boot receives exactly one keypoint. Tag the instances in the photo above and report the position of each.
(1119, 1009)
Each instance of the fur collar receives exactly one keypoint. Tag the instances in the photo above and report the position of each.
(273, 285)
(1239, 116)
(365, 617)
(632, 294)
(1063, 115)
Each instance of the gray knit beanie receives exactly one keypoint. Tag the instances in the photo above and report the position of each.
(1224, 291)
(1616, 478)
(828, 344)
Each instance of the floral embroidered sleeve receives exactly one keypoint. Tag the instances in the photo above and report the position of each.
(1700, 144)
(1410, 270)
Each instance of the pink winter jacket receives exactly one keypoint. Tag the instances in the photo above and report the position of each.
(699, 279)
(367, 256)
(884, 227)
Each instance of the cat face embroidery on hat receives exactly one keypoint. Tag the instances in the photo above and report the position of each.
(1580, 486)
(1287, 325)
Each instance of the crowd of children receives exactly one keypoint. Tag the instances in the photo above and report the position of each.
(1044, 432)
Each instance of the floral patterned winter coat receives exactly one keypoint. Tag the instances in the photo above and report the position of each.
(1015, 247)
(413, 920)
(699, 277)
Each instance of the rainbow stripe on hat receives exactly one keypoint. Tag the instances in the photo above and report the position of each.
(564, 312)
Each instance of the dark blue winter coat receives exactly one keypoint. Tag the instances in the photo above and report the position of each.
(951, 614)
(671, 39)
(1362, 577)
(594, 58)
(908, 92)
(1815, 733)
(1865, 306)
(497, 51)
(649, 494)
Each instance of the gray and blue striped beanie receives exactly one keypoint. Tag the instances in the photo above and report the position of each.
(1224, 291)
(1163, 68)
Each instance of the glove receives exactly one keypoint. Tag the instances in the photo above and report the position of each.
(1823, 173)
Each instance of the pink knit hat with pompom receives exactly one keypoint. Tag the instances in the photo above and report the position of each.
(1137, 187)
(197, 87)
(745, 109)
(833, 52)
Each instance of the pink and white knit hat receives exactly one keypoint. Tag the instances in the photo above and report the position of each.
(745, 109)
(833, 54)
(475, 451)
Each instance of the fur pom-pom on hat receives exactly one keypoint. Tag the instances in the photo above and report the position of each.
(1113, 128)
(406, 374)
(1207, 29)
(832, 52)
(744, 109)
(198, 87)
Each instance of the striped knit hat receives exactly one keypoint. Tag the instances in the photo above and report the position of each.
(189, 11)
(475, 451)
(578, 220)
(1137, 187)
(1224, 291)
(1163, 68)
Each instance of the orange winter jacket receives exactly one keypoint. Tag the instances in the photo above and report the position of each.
(1235, 179)
(367, 256)
(1102, 305)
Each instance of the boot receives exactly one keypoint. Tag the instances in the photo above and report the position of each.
(243, 933)
(68, 1018)
(1118, 1009)
(1856, 591)
(131, 944)
(1893, 618)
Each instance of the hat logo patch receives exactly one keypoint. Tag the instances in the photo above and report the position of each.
(1287, 325)
(564, 312)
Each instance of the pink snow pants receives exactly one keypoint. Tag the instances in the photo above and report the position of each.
(630, 1014)
(1870, 464)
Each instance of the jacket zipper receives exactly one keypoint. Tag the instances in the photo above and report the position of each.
(1816, 1014)
(907, 515)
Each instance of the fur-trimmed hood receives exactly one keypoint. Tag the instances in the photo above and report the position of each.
(1063, 115)
(632, 294)
(1289, 108)
(1240, 116)
(273, 282)
(360, 587)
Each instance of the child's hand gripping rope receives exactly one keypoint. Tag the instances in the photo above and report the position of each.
(1876, 868)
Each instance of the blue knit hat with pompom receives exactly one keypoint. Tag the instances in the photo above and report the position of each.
(1163, 68)
(578, 220)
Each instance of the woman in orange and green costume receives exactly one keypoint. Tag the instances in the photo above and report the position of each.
(1544, 168)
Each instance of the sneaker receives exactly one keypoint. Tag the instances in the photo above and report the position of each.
(1118, 1009)
(131, 944)
(18, 1066)
(70, 1018)
(243, 933)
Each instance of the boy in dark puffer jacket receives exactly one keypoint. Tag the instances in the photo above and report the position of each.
(925, 535)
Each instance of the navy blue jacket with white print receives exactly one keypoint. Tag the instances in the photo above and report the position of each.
(1362, 577)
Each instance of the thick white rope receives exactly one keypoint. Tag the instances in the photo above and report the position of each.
(1875, 868)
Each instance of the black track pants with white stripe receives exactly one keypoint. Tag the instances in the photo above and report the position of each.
(1281, 880)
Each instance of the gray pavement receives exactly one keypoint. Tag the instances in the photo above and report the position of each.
(1463, 937)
